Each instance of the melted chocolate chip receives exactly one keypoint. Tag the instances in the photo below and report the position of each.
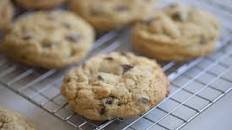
(144, 100)
(126, 68)
(178, 16)
(102, 110)
(73, 37)
(109, 58)
(121, 8)
(109, 100)
(100, 77)
(26, 37)
(202, 40)
(123, 53)
(66, 25)
(48, 44)
(149, 21)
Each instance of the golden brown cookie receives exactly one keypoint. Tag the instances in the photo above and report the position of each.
(6, 14)
(48, 39)
(115, 85)
(105, 15)
(13, 121)
(177, 33)
(39, 4)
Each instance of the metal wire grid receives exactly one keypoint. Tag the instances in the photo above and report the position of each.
(42, 88)
(192, 92)
(225, 5)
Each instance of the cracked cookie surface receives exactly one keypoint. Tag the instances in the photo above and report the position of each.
(6, 14)
(105, 15)
(115, 85)
(48, 39)
(13, 121)
(178, 32)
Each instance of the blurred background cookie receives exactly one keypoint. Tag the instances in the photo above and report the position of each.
(6, 14)
(13, 121)
(177, 33)
(115, 85)
(39, 4)
(105, 15)
(48, 39)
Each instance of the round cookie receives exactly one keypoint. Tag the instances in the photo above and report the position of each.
(177, 33)
(13, 121)
(48, 39)
(105, 15)
(6, 14)
(39, 4)
(115, 85)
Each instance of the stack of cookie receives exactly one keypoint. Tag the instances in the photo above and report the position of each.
(114, 85)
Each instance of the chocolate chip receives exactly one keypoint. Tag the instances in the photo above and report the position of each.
(202, 40)
(178, 16)
(100, 77)
(109, 58)
(73, 37)
(97, 11)
(108, 100)
(126, 68)
(144, 100)
(121, 8)
(123, 53)
(66, 25)
(47, 44)
(149, 21)
(27, 37)
(102, 110)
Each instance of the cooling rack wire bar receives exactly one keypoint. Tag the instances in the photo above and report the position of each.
(195, 86)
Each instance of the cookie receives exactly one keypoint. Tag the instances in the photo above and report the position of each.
(48, 39)
(115, 85)
(177, 33)
(105, 15)
(6, 14)
(39, 4)
(13, 121)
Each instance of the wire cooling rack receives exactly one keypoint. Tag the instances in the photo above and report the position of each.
(195, 85)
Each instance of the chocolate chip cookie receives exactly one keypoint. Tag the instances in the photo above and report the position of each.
(39, 4)
(48, 39)
(13, 121)
(177, 33)
(115, 85)
(6, 14)
(105, 15)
